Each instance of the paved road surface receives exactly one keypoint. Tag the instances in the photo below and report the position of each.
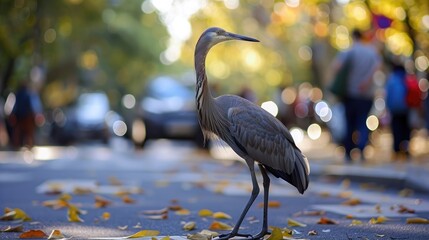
(171, 173)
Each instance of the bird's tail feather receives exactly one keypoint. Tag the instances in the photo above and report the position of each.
(299, 176)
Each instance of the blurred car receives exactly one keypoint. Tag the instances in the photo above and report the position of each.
(167, 110)
(84, 121)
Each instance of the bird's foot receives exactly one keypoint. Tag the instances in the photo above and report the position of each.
(261, 235)
(232, 234)
(241, 235)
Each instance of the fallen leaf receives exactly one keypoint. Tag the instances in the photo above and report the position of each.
(114, 181)
(198, 236)
(352, 202)
(127, 199)
(33, 234)
(276, 234)
(101, 202)
(345, 194)
(105, 216)
(18, 228)
(270, 204)
(189, 226)
(216, 225)
(144, 233)
(221, 215)
(14, 214)
(156, 212)
(417, 220)
(324, 194)
(175, 207)
(356, 222)
(56, 234)
(403, 209)
(312, 233)
(157, 217)
(73, 214)
(325, 220)
(379, 235)
(205, 213)
(182, 212)
(378, 220)
(346, 183)
(406, 192)
(82, 191)
(294, 223)
(349, 216)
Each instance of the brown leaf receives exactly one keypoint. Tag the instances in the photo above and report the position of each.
(101, 202)
(352, 202)
(216, 225)
(127, 199)
(417, 220)
(403, 209)
(325, 220)
(33, 234)
(271, 204)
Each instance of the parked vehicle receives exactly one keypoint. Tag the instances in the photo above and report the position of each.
(84, 121)
(166, 110)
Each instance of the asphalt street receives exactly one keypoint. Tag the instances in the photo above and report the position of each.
(115, 186)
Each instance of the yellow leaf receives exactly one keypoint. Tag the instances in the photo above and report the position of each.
(378, 220)
(294, 223)
(215, 225)
(144, 233)
(205, 213)
(221, 215)
(183, 212)
(189, 226)
(127, 199)
(20, 215)
(287, 233)
(417, 220)
(276, 234)
(356, 222)
(56, 234)
(105, 216)
(73, 214)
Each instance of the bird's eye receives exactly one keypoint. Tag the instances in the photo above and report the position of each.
(220, 32)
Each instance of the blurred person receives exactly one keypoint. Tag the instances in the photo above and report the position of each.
(396, 93)
(363, 60)
(26, 111)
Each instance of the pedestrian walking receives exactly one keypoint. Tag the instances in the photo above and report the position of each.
(358, 65)
(22, 119)
(396, 94)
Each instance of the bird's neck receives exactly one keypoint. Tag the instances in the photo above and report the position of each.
(203, 95)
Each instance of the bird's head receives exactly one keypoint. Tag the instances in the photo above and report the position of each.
(215, 35)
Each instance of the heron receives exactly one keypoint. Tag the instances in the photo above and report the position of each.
(253, 133)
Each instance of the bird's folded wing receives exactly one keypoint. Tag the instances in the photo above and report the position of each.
(264, 138)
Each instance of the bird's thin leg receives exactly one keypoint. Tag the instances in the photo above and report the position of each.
(266, 184)
(255, 193)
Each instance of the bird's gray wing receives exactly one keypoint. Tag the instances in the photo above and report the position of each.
(265, 139)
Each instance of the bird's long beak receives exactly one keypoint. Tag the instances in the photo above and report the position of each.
(240, 37)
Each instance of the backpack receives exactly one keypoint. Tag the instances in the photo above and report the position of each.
(414, 94)
(396, 93)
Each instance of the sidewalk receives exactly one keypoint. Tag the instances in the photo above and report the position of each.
(326, 159)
